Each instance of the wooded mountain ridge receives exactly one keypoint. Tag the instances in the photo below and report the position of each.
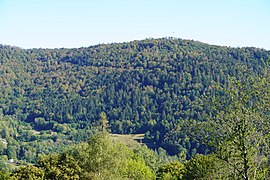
(150, 86)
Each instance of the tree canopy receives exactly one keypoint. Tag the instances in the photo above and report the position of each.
(185, 96)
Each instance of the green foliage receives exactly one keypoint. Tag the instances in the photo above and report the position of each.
(171, 171)
(239, 127)
(28, 172)
(3, 148)
(153, 86)
(60, 166)
(151, 158)
(5, 167)
(204, 167)
(4, 175)
(136, 169)
(102, 158)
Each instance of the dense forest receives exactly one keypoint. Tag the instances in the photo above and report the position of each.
(172, 90)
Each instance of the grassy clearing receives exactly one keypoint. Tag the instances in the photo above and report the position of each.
(130, 140)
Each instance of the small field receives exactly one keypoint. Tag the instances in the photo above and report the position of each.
(131, 140)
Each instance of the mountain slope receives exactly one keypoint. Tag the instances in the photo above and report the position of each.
(146, 86)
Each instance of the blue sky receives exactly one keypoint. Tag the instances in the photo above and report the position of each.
(77, 23)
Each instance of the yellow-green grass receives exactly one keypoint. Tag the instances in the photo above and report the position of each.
(130, 140)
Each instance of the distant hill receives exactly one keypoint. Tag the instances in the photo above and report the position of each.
(146, 86)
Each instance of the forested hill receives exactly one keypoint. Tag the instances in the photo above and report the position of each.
(146, 86)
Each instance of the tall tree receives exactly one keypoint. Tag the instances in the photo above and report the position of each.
(240, 126)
